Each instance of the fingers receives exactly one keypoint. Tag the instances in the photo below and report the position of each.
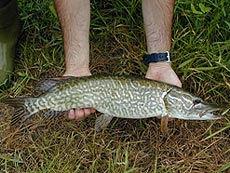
(71, 114)
(80, 114)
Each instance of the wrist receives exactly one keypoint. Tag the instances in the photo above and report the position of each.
(160, 64)
(83, 71)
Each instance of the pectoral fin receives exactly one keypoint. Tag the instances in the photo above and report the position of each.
(164, 124)
(102, 122)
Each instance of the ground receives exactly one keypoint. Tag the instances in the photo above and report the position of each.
(200, 57)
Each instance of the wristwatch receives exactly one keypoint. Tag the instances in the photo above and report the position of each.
(157, 57)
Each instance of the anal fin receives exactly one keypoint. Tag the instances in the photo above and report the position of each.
(102, 122)
(53, 114)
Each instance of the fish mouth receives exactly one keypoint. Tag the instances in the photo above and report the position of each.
(210, 116)
(211, 112)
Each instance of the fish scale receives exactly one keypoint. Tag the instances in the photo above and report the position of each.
(123, 97)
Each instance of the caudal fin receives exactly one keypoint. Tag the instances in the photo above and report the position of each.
(20, 110)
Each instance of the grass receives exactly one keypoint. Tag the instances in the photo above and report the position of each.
(200, 57)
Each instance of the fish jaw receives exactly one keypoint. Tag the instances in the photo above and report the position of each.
(207, 112)
(206, 116)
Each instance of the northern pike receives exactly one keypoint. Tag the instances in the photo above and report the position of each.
(122, 97)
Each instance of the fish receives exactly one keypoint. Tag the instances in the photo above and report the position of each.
(114, 96)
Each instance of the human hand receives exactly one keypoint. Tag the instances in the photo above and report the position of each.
(162, 71)
(79, 114)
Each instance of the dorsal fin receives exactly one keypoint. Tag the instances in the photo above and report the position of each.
(46, 84)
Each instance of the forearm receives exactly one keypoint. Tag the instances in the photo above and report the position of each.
(158, 16)
(74, 16)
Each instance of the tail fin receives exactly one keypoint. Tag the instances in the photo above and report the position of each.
(20, 110)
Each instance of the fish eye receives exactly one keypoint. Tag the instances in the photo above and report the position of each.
(197, 101)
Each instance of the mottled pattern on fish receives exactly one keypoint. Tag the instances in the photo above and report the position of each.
(125, 97)
(117, 96)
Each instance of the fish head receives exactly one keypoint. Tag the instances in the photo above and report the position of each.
(183, 105)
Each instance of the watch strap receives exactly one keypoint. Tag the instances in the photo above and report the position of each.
(156, 57)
